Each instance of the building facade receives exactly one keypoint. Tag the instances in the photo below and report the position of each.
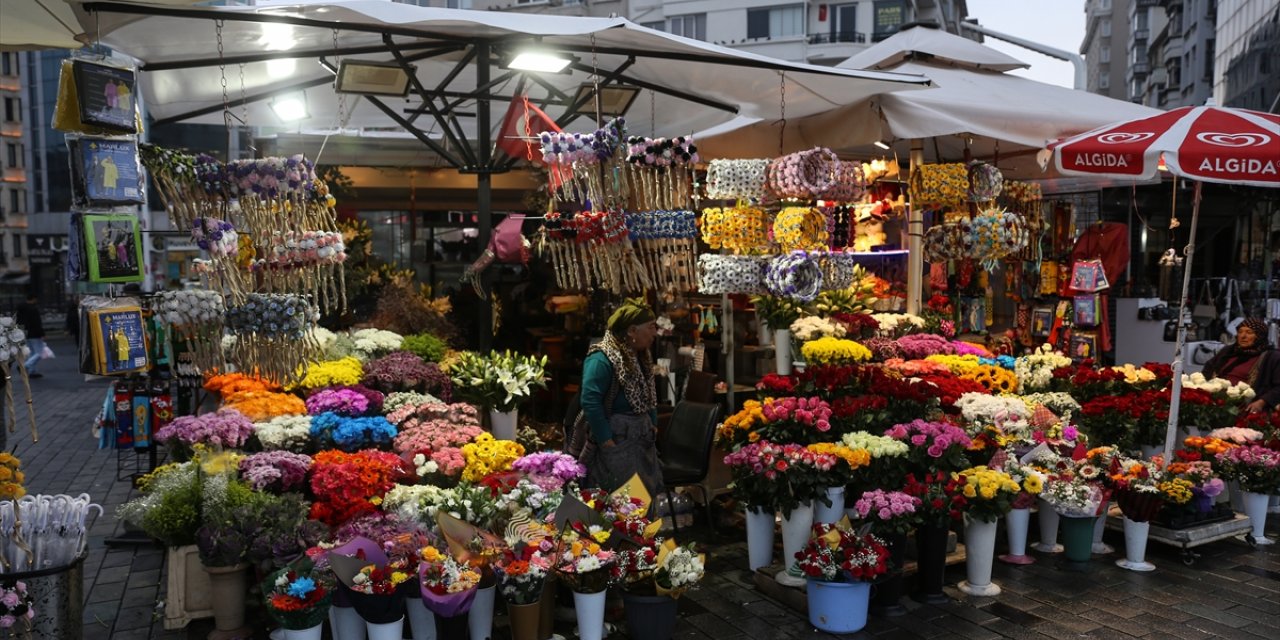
(1106, 47)
(1246, 68)
(14, 174)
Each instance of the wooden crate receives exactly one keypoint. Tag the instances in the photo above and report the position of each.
(187, 593)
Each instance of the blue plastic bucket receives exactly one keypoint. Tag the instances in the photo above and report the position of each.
(838, 607)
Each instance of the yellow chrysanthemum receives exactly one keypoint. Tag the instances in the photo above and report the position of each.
(830, 350)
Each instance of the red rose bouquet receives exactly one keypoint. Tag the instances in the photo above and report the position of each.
(836, 554)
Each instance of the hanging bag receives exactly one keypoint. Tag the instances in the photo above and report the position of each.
(1086, 309)
(1088, 276)
(1205, 310)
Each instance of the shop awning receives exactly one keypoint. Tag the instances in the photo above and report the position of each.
(27, 25)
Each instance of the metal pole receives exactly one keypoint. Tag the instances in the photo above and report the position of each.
(1171, 434)
(915, 233)
(484, 187)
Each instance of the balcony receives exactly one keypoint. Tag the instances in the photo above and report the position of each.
(1142, 4)
(832, 38)
(1141, 68)
(1141, 34)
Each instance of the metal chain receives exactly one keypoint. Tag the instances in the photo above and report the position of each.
(244, 100)
(782, 130)
(342, 97)
(222, 72)
(653, 128)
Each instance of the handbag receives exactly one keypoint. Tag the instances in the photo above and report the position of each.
(1171, 330)
(1205, 310)
(1088, 276)
(1205, 351)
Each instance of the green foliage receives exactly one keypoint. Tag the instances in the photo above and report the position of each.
(425, 346)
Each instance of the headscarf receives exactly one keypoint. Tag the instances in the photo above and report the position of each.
(631, 312)
(1260, 329)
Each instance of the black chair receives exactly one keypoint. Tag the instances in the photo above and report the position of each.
(686, 451)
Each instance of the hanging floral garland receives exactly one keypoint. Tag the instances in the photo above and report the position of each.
(14, 351)
(666, 245)
(196, 316)
(273, 337)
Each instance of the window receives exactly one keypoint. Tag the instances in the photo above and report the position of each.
(13, 155)
(1140, 21)
(1106, 55)
(14, 202)
(776, 22)
(1106, 28)
(12, 109)
(17, 245)
(459, 4)
(1104, 81)
(1208, 57)
(8, 66)
(693, 25)
(656, 26)
(843, 23)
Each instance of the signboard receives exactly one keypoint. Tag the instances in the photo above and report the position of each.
(889, 16)
(44, 248)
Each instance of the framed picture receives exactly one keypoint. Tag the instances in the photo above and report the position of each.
(1084, 345)
(105, 172)
(106, 95)
(1041, 322)
(973, 314)
(1087, 310)
(113, 247)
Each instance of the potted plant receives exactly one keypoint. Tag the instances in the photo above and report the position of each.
(840, 565)
(499, 382)
(229, 520)
(989, 494)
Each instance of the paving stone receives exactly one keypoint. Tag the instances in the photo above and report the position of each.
(1115, 622)
(1162, 628)
(111, 591)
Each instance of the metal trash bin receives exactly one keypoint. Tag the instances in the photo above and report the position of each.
(57, 595)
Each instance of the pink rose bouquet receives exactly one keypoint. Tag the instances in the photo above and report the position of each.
(935, 446)
(889, 512)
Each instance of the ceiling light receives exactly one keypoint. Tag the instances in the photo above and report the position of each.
(281, 67)
(277, 36)
(539, 61)
(372, 77)
(882, 144)
(614, 99)
(290, 107)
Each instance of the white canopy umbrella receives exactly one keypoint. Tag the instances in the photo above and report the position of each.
(47, 24)
(974, 101)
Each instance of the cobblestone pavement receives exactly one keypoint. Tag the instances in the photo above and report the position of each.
(1232, 591)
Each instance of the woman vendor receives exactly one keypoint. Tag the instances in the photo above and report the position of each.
(614, 435)
(1250, 360)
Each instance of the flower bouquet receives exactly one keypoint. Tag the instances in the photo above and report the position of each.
(371, 579)
(226, 384)
(800, 420)
(372, 343)
(890, 513)
(919, 346)
(581, 563)
(679, 568)
(344, 484)
(1255, 467)
(275, 471)
(859, 326)
(809, 328)
(351, 434)
(225, 428)
(522, 574)
(1126, 420)
(1035, 371)
(337, 400)
(286, 433)
(848, 462)
(896, 325)
(550, 470)
(935, 446)
(779, 477)
(261, 406)
(1237, 435)
(829, 350)
(941, 499)
(989, 493)
(1072, 494)
(404, 371)
(11, 477)
(1136, 488)
(835, 553)
(331, 373)
(297, 596)
(887, 464)
(777, 312)
(16, 607)
(498, 381)
(448, 586)
(486, 456)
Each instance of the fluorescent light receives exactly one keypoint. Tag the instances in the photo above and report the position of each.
(281, 67)
(882, 145)
(290, 107)
(540, 62)
(373, 77)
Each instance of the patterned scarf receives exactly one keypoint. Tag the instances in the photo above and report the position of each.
(633, 371)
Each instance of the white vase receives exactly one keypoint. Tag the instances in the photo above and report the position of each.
(1016, 523)
(480, 617)
(782, 351)
(760, 525)
(385, 630)
(346, 624)
(796, 529)
(1151, 451)
(504, 423)
(422, 623)
(764, 333)
(589, 609)
(1048, 529)
(1255, 506)
(314, 633)
(980, 550)
(1099, 547)
(1273, 506)
(1135, 546)
(833, 513)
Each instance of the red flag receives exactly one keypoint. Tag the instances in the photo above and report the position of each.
(523, 120)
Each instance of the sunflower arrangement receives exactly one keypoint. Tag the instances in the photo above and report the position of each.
(997, 380)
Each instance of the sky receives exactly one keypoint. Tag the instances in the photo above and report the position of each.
(1057, 23)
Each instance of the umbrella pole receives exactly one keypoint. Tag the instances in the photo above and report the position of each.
(1175, 394)
(915, 232)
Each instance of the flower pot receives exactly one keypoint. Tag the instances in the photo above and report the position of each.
(1151, 451)
(480, 617)
(1135, 546)
(886, 597)
(650, 617)
(782, 351)
(796, 529)
(228, 587)
(1236, 496)
(833, 513)
(547, 608)
(1048, 529)
(346, 624)
(314, 633)
(1255, 506)
(504, 424)
(422, 623)
(524, 620)
(1077, 539)
(838, 607)
(931, 564)
(760, 525)
(764, 334)
(589, 609)
(385, 630)
(1099, 547)
(980, 551)
(1016, 523)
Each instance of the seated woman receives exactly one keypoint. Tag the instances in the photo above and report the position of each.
(1251, 360)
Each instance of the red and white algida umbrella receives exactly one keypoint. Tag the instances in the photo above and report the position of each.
(1210, 144)
(1205, 144)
